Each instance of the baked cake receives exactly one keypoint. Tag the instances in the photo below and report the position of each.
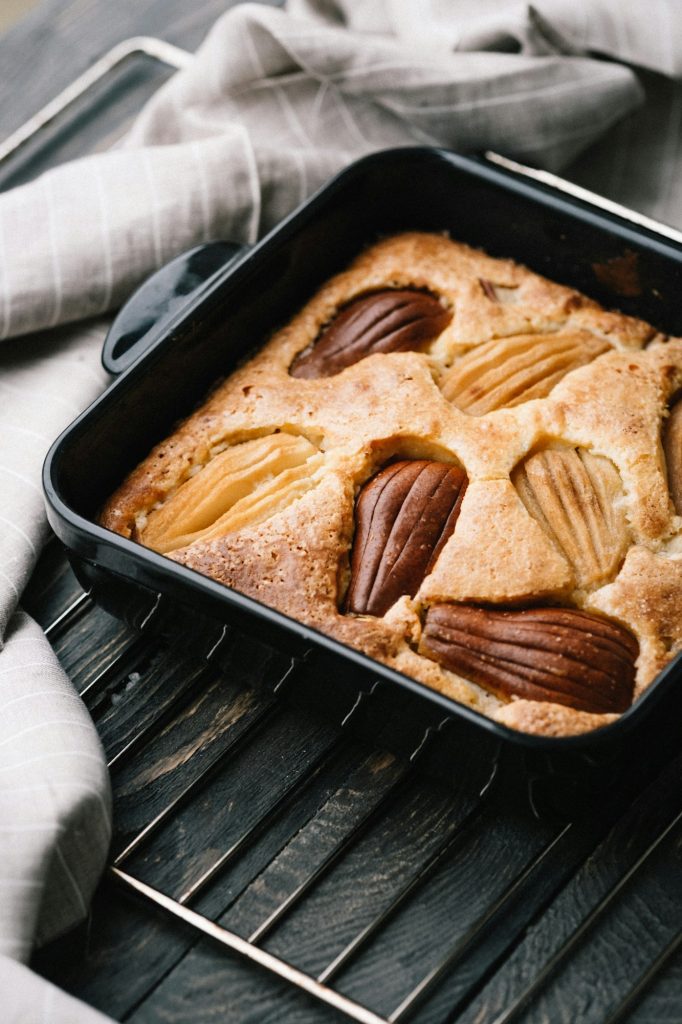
(467, 471)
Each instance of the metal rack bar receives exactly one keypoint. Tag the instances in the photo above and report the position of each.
(232, 747)
(246, 949)
(622, 1011)
(157, 722)
(259, 826)
(319, 987)
(68, 616)
(419, 993)
(332, 857)
(445, 847)
(121, 663)
(527, 994)
(328, 862)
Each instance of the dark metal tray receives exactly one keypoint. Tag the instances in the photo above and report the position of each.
(565, 238)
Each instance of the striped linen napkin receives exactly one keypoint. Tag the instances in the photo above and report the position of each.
(273, 104)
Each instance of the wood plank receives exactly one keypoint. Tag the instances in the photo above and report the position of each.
(239, 794)
(629, 937)
(370, 784)
(446, 914)
(93, 640)
(660, 1002)
(122, 952)
(639, 936)
(178, 753)
(142, 948)
(361, 885)
(217, 987)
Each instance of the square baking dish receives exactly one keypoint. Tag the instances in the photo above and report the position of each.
(232, 310)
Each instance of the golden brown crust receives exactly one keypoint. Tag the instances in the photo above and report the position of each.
(647, 597)
(544, 719)
(607, 403)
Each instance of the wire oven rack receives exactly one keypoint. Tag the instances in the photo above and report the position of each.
(258, 830)
(510, 948)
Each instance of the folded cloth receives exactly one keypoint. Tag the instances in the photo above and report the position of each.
(269, 109)
(272, 105)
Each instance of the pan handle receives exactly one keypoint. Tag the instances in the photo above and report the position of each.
(158, 299)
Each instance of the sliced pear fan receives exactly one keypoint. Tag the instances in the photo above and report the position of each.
(242, 486)
(507, 371)
(574, 496)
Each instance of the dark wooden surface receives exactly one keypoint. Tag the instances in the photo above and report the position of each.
(59, 39)
(551, 922)
(510, 893)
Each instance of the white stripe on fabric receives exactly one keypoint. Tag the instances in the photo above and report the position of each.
(106, 238)
(25, 665)
(75, 723)
(293, 78)
(523, 96)
(22, 533)
(153, 206)
(317, 76)
(290, 114)
(382, 66)
(75, 752)
(348, 118)
(254, 183)
(43, 438)
(9, 579)
(75, 788)
(54, 251)
(40, 396)
(36, 694)
(568, 136)
(204, 201)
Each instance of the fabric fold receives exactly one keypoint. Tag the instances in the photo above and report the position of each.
(45, 382)
(268, 110)
(103, 223)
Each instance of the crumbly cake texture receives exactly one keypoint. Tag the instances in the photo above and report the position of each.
(601, 535)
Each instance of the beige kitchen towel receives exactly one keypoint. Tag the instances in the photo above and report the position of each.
(273, 104)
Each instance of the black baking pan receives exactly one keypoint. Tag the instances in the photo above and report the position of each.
(201, 316)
